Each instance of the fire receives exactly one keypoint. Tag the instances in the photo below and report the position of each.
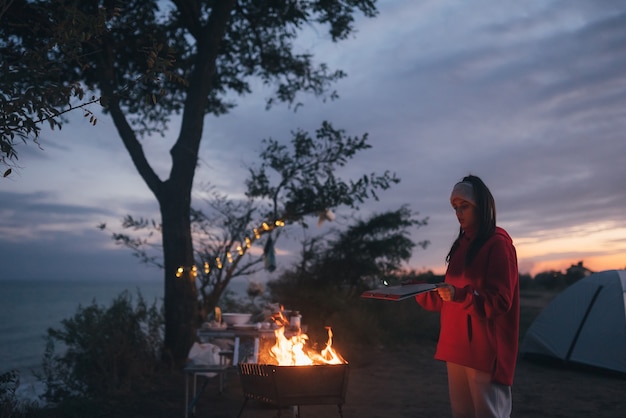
(292, 351)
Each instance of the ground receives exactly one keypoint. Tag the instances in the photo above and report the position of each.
(384, 382)
(407, 382)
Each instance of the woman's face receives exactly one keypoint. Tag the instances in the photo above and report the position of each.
(465, 213)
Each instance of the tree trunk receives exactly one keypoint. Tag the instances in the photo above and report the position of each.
(174, 197)
(180, 297)
(180, 292)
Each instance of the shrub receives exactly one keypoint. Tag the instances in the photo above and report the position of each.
(105, 351)
(9, 382)
(10, 405)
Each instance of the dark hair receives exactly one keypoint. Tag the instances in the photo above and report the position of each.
(486, 214)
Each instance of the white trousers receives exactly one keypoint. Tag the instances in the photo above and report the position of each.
(474, 395)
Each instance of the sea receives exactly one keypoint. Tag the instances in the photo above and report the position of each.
(29, 307)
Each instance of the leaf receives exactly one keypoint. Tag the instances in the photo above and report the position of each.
(6, 173)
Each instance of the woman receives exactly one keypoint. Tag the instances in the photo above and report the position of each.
(479, 305)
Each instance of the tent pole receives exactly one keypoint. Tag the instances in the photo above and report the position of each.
(582, 323)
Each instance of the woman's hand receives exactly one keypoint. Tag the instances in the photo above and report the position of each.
(446, 291)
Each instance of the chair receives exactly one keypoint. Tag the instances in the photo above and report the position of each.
(193, 371)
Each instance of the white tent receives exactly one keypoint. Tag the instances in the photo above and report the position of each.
(585, 324)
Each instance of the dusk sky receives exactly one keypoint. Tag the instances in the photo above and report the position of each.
(528, 95)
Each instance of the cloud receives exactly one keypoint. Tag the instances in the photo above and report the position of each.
(528, 95)
(42, 239)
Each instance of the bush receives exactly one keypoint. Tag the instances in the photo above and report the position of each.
(105, 350)
(10, 406)
(9, 382)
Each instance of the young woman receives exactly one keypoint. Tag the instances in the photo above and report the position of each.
(479, 305)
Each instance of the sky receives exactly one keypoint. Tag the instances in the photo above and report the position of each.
(530, 96)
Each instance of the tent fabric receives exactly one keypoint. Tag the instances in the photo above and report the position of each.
(585, 324)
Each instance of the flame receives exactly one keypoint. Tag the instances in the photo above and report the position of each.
(292, 351)
(328, 353)
(279, 318)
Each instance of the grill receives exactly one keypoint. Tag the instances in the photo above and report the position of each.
(283, 386)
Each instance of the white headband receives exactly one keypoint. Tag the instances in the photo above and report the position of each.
(463, 190)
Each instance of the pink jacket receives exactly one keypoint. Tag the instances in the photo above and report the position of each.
(480, 327)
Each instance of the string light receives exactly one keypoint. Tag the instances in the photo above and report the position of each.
(193, 271)
(241, 249)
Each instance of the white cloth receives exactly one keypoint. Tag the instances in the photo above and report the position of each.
(463, 190)
(204, 354)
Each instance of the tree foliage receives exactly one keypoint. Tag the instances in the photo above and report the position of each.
(307, 180)
(215, 51)
(32, 89)
(359, 257)
(291, 183)
(37, 44)
(370, 251)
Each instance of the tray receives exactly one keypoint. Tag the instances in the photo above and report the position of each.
(401, 292)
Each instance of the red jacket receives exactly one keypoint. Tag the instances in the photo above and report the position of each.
(480, 327)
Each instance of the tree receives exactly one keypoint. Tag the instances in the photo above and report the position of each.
(219, 47)
(36, 47)
(31, 92)
(291, 183)
(362, 256)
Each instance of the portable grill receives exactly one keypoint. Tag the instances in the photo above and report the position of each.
(284, 386)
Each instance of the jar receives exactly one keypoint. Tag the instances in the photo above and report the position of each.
(295, 320)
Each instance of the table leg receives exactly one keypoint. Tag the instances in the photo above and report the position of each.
(236, 352)
(255, 357)
(187, 406)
